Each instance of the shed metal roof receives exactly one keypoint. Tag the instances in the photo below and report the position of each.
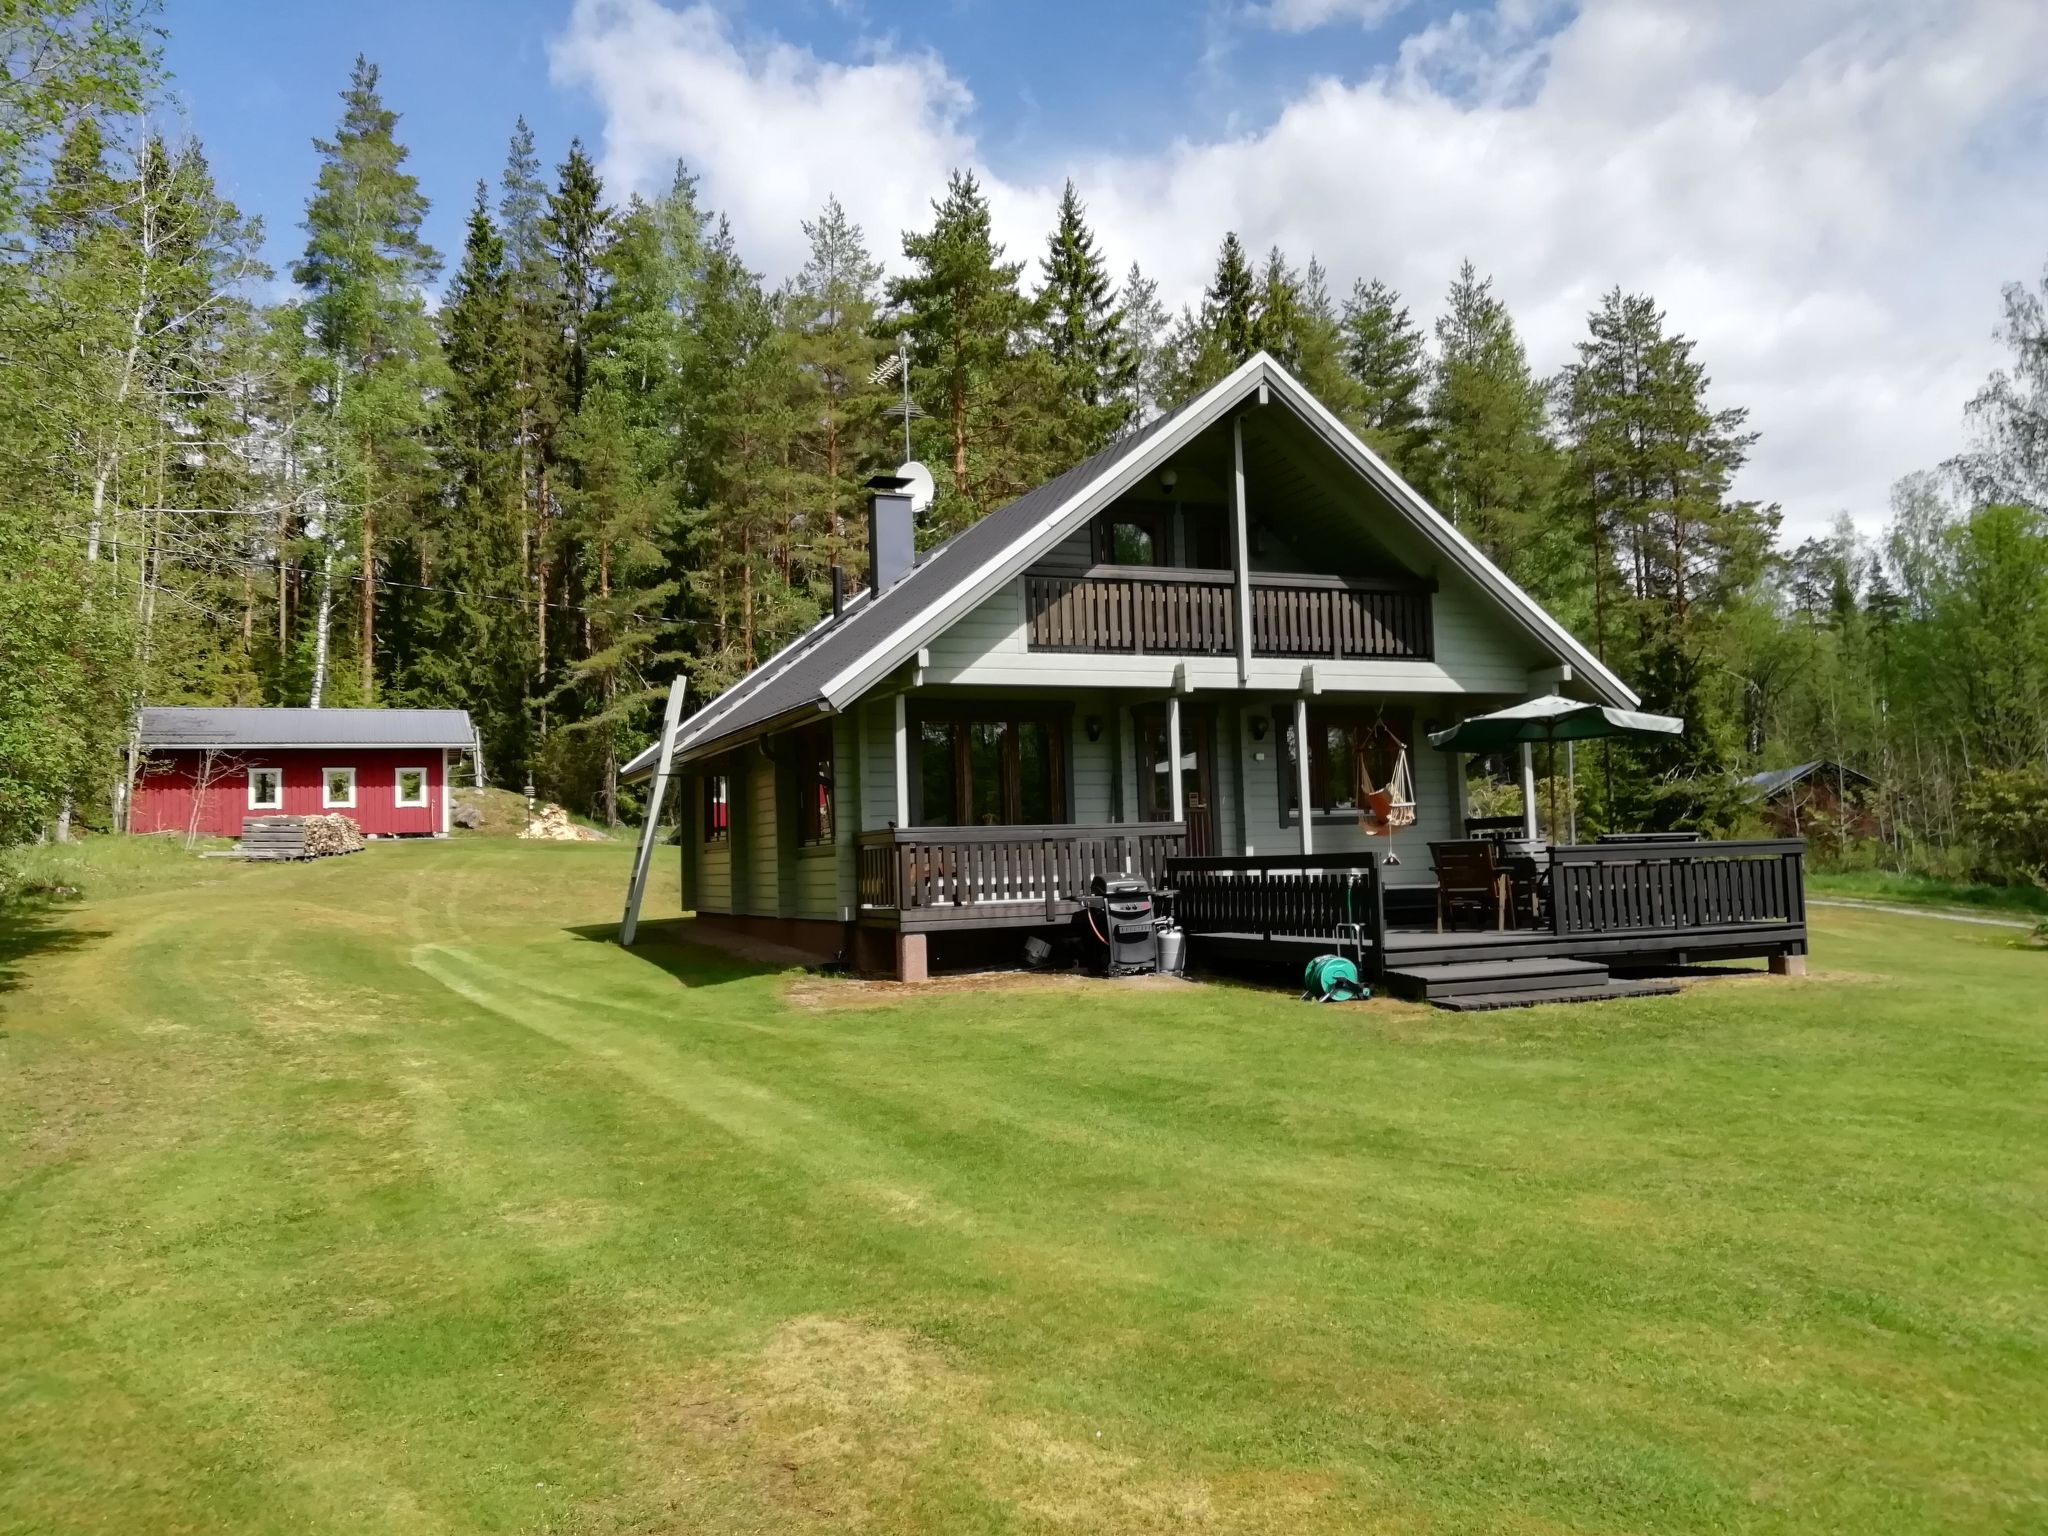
(198, 726)
(837, 661)
(1761, 786)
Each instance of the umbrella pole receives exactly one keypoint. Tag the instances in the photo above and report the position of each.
(1571, 792)
(1529, 791)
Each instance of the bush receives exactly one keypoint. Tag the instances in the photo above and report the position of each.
(2005, 812)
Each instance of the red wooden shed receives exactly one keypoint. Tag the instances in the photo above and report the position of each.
(205, 770)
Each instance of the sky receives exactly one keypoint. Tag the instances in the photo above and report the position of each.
(1827, 195)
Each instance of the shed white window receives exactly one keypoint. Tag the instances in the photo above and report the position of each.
(266, 789)
(411, 788)
(337, 789)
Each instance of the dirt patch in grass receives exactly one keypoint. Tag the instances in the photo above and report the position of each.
(824, 992)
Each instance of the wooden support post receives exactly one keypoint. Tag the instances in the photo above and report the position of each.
(1529, 829)
(1301, 760)
(910, 958)
(1240, 552)
(671, 721)
(903, 764)
(1173, 758)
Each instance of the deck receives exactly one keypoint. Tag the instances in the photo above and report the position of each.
(1641, 905)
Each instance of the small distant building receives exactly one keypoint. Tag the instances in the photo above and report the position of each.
(1794, 799)
(205, 770)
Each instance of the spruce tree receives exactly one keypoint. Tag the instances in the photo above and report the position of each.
(363, 273)
(1230, 305)
(1083, 327)
(1384, 357)
(1148, 331)
(1494, 474)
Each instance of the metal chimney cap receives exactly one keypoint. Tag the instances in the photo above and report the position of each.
(887, 482)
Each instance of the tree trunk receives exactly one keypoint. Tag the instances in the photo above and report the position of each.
(368, 606)
(322, 612)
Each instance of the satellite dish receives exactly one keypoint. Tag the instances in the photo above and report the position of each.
(922, 488)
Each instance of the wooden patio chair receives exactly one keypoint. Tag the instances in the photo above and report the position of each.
(1470, 878)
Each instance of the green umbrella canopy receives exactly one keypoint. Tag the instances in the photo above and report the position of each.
(1551, 718)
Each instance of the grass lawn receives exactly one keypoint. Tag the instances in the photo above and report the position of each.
(381, 1194)
(2017, 901)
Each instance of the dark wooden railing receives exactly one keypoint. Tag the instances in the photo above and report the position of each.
(1292, 616)
(962, 869)
(1139, 610)
(1134, 609)
(1289, 895)
(1621, 887)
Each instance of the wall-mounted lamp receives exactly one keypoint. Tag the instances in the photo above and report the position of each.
(1258, 727)
(1093, 726)
(1168, 479)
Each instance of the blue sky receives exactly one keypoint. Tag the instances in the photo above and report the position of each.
(259, 81)
(1825, 195)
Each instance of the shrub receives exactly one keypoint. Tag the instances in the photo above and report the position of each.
(2006, 813)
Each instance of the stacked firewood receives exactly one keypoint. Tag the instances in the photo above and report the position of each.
(551, 824)
(332, 834)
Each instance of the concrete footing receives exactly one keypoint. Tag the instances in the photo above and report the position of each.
(911, 964)
(1788, 965)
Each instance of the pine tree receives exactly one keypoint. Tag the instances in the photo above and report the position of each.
(1494, 474)
(1384, 357)
(830, 311)
(970, 327)
(363, 272)
(1084, 333)
(534, 290)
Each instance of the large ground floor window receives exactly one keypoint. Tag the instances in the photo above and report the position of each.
(1352, 750)
(981, 766)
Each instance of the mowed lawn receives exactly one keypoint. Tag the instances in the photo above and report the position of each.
(381, 1194)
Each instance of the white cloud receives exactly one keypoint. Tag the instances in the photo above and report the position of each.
(1825, 195)
(1307, 15)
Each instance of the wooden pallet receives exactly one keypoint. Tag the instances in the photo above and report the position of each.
(273, 837)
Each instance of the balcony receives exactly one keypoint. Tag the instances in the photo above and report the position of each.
(1147, 610)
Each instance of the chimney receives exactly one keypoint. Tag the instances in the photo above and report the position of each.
(892, 532)
(838, 593)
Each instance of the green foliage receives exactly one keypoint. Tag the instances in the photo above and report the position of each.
(2005, 810)
(1083, 329)
(1383, 356)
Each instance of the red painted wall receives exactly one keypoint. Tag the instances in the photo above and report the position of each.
(166, 788)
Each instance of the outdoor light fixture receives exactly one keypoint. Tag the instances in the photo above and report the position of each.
(1093, 725)
(1168, 479)
(1258, 727)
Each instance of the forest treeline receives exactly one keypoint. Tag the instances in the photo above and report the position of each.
(604, 450)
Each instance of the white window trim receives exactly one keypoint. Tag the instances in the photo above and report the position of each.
(266, 805)
(327, 802)
(426, 798)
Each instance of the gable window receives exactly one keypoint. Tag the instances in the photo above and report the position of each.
(1350, 752)
(266, 789)
(998, 768)
(337, 789)
(814, 783)
(717, 811)
(410, 789)
(1129, 537)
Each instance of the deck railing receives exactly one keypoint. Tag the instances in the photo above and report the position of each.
(1141, 610)
(1313, 895)
(1632, 887)
(927, 869)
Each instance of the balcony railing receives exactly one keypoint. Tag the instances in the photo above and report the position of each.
(934, 875)
(1144, 610)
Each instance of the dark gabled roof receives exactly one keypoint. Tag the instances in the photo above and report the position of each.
(794, 679)
(1761, 786)
(172, 726)
(838, 660)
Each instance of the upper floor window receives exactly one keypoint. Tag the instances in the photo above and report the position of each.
(814, 783)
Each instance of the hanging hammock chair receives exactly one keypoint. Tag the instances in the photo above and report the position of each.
(1385, 810)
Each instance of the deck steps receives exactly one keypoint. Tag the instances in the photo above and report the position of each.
(1480, 1002)
(1472, 985)
(1457, 978)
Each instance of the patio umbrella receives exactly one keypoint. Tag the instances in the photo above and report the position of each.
(1552, 718)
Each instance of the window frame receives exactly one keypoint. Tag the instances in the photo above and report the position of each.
(255, 804)
(1155, 521)
(327, 800)
(959, 718)
(817, 816)
(714, 809)
(1398, 718)
(426, 799)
